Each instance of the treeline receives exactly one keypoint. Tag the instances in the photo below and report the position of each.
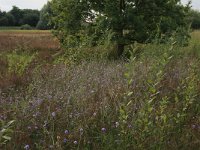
(18, 17)
(27, 17)
(40, 19)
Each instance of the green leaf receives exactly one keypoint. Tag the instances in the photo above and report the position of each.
(7, 137)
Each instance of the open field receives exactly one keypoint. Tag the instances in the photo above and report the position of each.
(31, 39)
(9, 28)
(148, 102)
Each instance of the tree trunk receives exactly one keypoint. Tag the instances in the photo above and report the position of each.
(120, 50)
(120, 43)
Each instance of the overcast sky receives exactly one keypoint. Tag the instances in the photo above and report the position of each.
(6, 5)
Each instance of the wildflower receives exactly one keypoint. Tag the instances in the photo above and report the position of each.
(94, 114)
(53, 114)
(129, 126)
(29, 127)
(26, 147)
(116, 124)
(81, 129)
(66, 131)
(65, 140)
(103, 129)
(75, 142)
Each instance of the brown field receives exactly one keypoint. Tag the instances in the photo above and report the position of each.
(37, 40)
(42, 43)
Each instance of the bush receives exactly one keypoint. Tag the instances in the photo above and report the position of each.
(26, 27)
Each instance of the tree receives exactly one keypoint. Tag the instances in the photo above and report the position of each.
(195, 19)
(44, 21)
(129, 20)
(17, 13)
(30, 19)
(3, 21)
(11, 19)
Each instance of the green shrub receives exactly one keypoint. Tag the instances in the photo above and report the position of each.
(18, 63)
(26, 27)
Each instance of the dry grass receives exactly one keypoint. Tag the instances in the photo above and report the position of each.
(37, 40)
(30, 42)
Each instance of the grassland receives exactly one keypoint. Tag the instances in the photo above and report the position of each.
(50, 101)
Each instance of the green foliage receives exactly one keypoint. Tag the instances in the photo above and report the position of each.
(195, 19)
(26, 27)
(150, 101)
(3, 21)
(44, 21)
(17, 63)
(17, 17)
(17, 13)
(30, 19)
(6, 131)
(129, 20)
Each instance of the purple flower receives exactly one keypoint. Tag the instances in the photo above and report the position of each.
(66, 131)
(103, 129)
(53, 114)
(65, 140)
(75, 142)
(26, 147)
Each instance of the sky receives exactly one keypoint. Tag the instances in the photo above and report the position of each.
(6, 5)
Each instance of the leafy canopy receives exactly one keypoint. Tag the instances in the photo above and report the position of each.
(129, 20)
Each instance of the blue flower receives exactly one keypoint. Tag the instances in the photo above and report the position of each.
(65, 140)
(66, 131)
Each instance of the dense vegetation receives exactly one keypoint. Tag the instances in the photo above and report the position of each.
(195, 19)
(18, 17)
(149, 102)
(33, 18)
(129, 21)
(78, 94)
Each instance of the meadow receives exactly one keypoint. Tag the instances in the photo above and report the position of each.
(50, 99)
